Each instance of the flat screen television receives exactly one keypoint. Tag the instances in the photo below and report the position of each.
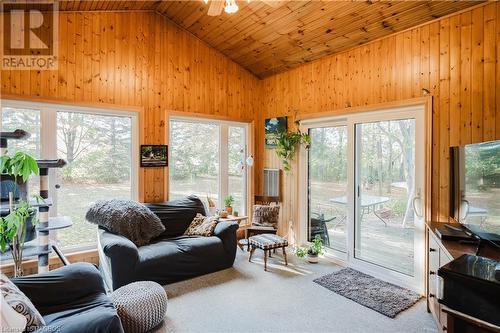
(475, 190)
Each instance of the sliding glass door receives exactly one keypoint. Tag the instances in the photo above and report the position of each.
(364, 175)
(385, 182)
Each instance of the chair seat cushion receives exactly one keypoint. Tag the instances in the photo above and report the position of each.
(267, 241)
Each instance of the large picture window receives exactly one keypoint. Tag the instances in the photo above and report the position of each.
(99, 148)
(207, 158)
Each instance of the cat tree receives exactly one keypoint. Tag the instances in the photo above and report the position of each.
(46, 224)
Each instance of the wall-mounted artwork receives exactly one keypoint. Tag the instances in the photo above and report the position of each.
(154, 155)
(273, 126)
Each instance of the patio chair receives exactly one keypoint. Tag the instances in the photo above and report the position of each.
(318, 227)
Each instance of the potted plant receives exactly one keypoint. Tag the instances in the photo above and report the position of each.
(287, 143)
(21, 218)
(228, 202)
(312, 251)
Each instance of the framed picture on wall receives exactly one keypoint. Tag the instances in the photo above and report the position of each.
(154, 156)
(274, 126)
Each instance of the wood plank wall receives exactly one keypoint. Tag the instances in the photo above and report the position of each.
(139, 59)
(455, 59)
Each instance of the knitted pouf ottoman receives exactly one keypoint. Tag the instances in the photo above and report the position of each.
(141, 305)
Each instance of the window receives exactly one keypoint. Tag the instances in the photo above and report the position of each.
(98, 152)
(28, 120)
(99, 148)
(207, 158)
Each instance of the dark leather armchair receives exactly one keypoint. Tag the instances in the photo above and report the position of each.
(72, 299)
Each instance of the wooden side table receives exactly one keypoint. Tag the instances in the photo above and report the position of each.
(241, 220)
(232, 218)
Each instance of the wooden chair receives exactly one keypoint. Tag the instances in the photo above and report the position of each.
(257, 229)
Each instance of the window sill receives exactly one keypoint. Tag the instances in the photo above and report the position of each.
(31, 266)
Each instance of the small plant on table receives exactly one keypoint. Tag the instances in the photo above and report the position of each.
(228, 202)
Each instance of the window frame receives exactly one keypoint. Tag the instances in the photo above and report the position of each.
(223, 154)
(48, 144)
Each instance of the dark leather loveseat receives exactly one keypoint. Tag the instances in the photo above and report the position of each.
(170, 257)
(71, 299)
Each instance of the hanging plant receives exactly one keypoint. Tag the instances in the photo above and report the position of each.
(287, 143)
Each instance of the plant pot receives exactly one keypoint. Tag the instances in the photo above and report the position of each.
(30, 228)
(313, 258)
(229, 210)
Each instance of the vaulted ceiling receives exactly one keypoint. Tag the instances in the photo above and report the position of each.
(270, 39)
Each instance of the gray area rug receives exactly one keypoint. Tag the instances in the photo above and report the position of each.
(366, 290)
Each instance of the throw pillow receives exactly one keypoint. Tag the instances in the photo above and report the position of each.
(266, 216)
(10, 319)
(126, 218)
(202, 226)
(19, 302)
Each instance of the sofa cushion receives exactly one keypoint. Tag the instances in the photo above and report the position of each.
(19, 302)
(202, 226)
(127, 218)
(177, 215)
(179, 258)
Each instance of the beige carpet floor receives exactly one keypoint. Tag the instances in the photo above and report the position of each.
(284, 299)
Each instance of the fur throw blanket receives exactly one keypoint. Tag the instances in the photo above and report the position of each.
(126, 218)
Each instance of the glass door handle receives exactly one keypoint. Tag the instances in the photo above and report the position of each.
(417, 201)
(464, 209)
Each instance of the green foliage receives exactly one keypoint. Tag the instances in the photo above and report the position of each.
(300, 252)
(12, 223)
(480, 162)
(397, 206)
(287, 143)
(97, 148)
(315, 248)
(328, 154)
(194, 150)
(229, 200)
(20, 165)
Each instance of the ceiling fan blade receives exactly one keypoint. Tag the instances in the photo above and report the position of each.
(272, 3)
(216, 7)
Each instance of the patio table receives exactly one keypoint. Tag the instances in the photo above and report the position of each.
(368, 203)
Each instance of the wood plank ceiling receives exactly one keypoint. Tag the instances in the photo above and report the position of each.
(267, 40)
